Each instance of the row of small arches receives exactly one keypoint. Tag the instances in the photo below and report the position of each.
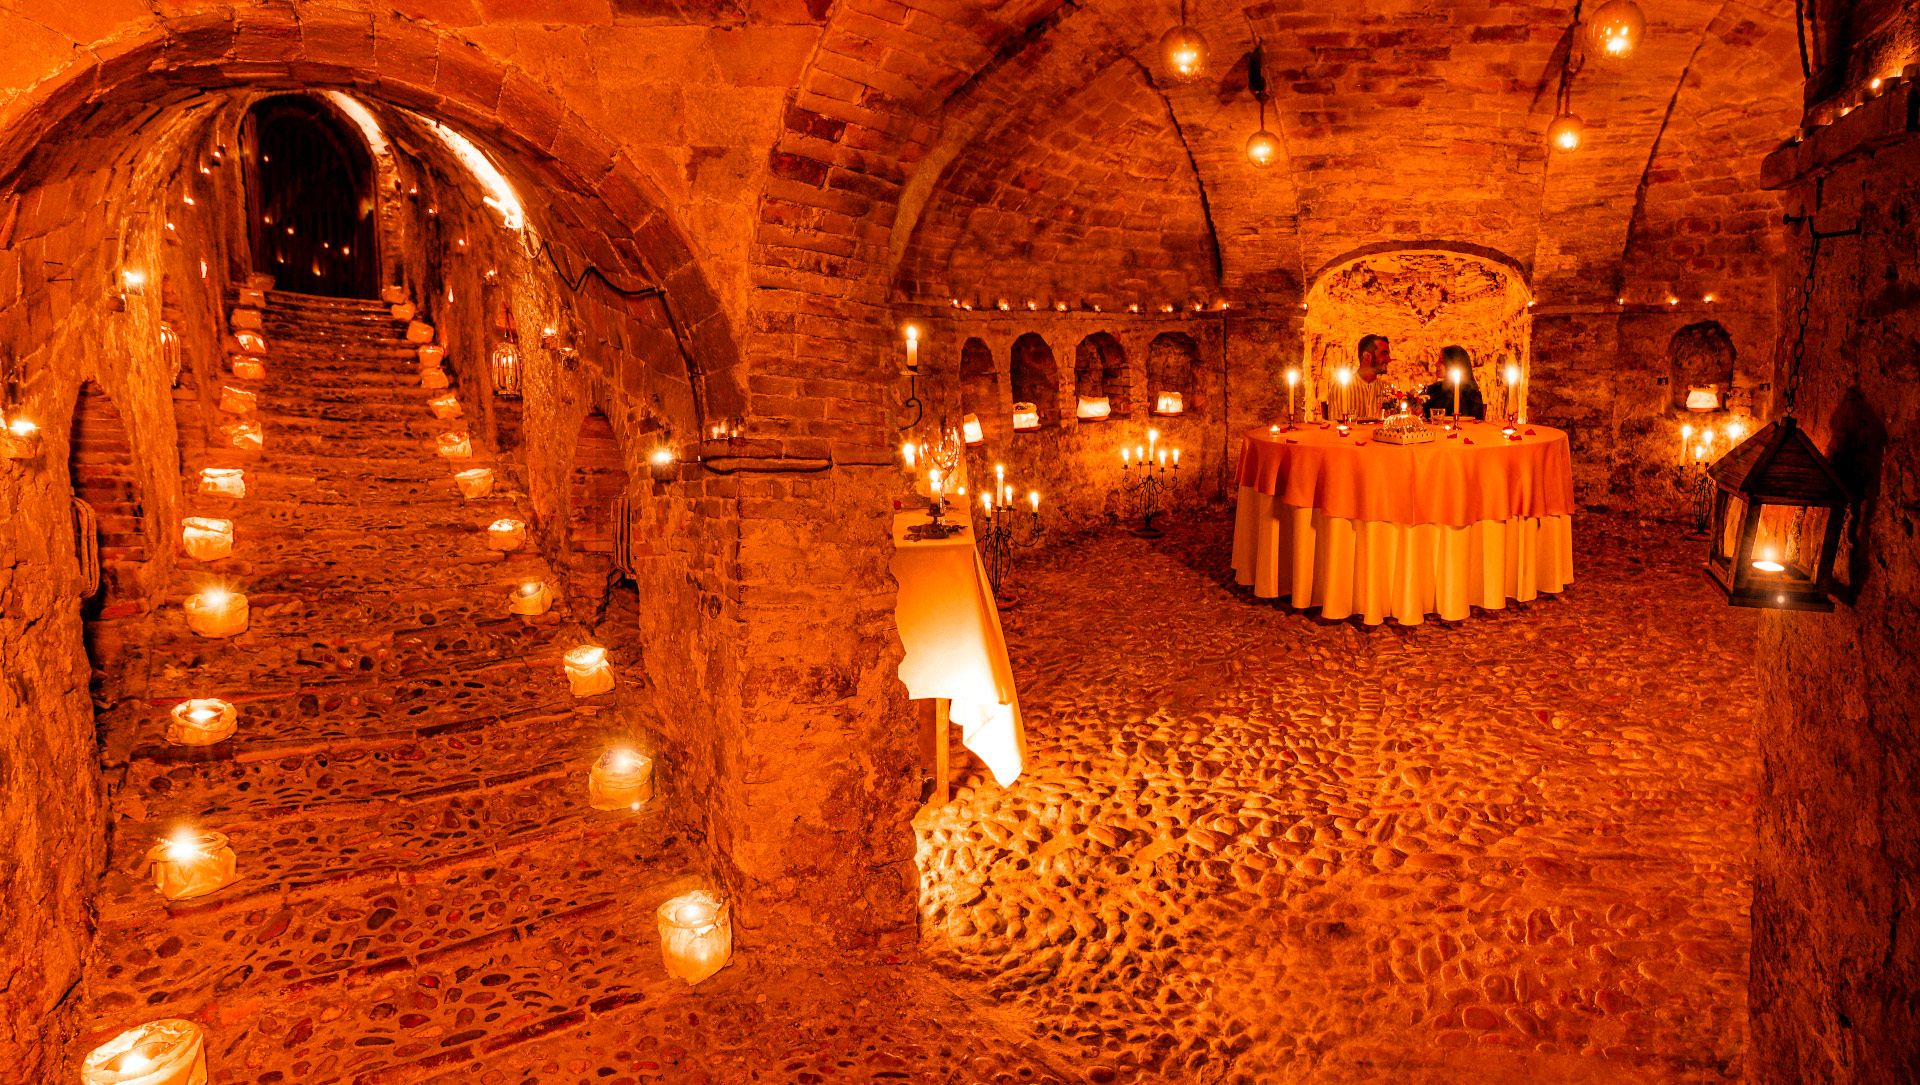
(1101, 371)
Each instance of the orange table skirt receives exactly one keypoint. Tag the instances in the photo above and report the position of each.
(1380, 570)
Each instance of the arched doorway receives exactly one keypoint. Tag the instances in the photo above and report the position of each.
(599, 562)
(310, 199)
(1100, 370)
(1172, 358)
(1036, 379)
(100, 467)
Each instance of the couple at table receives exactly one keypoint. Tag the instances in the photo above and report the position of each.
(1361, 399)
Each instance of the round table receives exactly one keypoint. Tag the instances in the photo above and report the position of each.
(1357, 526)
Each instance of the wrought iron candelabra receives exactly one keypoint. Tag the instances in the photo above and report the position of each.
(1143, 482)
(1006, 530)
(1697, 484)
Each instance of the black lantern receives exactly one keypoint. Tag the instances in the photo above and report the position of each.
(506, 371)
(1778, 508)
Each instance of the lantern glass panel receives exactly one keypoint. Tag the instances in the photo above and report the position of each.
(1771, 555)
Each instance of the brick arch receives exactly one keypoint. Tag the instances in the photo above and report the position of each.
(979, 379)
(1173, 359)
(1699, 355)
(591, 195)
(1035, 377)
(1100, 369)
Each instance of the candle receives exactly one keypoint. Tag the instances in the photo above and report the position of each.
(246, 436)
(445, 405)
(1033, 498)
(1293, 381)
(217, 612)
(1126, 456)
(1456, 391)
(999, 475)
(531, 598)
(1513, 384)
(192, 863)
(1176, 458)
(165, 1052)
(970, 430)
(223, 481)
(1006, 495)
(474, 481)
(933, 482)
(20, 439)
(696, 935)
(913, 348)
(1686, 440)
(506, 534)
(433, 378)
(1163, 457)
(206, 538)
(986, 503)
(1342, 427)
(237, 400)
(588, 671)
(249, 369)
(1153, 438)
(1768, 561)
(907, 450)
(620, 780)
(201, 722)
(455, 446)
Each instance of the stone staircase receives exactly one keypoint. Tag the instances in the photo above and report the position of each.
(423, 887)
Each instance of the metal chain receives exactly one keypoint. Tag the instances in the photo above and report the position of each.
(1800, 331)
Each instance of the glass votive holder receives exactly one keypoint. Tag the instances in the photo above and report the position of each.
(531, 598)
(165, 1052)
(192, 863)
(455, 446)
(201, 721)
(696, 935)
(588, 672)
(474, 481)
(620, 780)
(223, 481)
(206, 538)
(506, 534)
(217, 612)
(445, 405)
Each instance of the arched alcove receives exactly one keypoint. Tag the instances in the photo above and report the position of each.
(1700, 355)
(1036, 377)
(1172, 358)
(979, 379)
(101, 470)
(598, 520)
(310, 198)
(1100, 369)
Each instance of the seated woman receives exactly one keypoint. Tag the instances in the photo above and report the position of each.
(1440, 392)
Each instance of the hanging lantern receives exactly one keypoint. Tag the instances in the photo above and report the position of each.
(620, 780)
(165, 1052)
(192, 863)
(1565, 133)
(1184, 50)
(201, 721)
(1263, 147)
(1614, 29)
(696, 935)
(506, 370)
(1778, 509)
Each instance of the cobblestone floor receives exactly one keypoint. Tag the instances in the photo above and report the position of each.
(1253, 846)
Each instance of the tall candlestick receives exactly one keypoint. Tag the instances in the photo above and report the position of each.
(999, 474)
(1176, 457)
(910, 452)
(913, 348)
(1033, 497)
(1512, 392)
(1686, 441)
(1456, 391)
(1293, 382)
(1153, 438)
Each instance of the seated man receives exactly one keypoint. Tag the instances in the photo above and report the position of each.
(1440, 392)
(1359, 399)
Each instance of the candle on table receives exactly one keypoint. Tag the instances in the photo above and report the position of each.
(474, 481)
(192, 863)
(1342, 377)
(933, 483)
(620, 780)
(696, 935)
(223, 481)
(201, 721)
(165, 1052)
(531, 598)
(1293, 382)
(1456, 391)
(1512, 390)
(588, 672)
(206, 538)
(217, 612)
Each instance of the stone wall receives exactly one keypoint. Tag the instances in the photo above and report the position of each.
(1836, 978)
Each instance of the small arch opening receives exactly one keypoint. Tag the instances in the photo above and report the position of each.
(1036, 383)
(310, 200)
(1700, 359)
(1100, 374)
(1172, 358)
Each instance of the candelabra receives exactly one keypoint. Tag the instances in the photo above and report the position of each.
(1697, 484)
(1143, 481)
(1006, 530)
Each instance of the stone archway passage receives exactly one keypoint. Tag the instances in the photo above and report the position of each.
(310, 199)
(598, 520)
(101, 469)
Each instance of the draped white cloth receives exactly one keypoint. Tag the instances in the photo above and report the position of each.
(950, 628)
(1380, 570)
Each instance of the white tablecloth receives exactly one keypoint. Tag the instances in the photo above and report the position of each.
(1382, 570)
(950, 628)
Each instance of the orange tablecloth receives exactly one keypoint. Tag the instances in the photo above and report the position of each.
(1402, 531)
(950, 628)
(1450, 481)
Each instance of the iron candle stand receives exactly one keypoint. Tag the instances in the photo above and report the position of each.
(1143, 482)
(1004, 532)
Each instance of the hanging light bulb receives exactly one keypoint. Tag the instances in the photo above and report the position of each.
(1614, 29)
(1184, 50)
(1263, 147)
(1565, 132)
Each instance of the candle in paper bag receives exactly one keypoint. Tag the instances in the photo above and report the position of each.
(206, 538)
(238, 400)
(201, 721)
(246, 436)
(418, 333)
(249, 369)
(620, 780)
(506, 534)
(445, 405)
(1093, 407)
(434, 378)
(402, 310)
(223, 481)
(531, 598)
(696, 935)
(217, 612)
(192, 863)
(474, 481)
(251, 342)
(393, 294)
(1703, 399)
(165, 1052)
(1026, 416)
(1169, 403)
(970, 430)
(588, 671)
(431, 355)
(455, 446)
(20, 439)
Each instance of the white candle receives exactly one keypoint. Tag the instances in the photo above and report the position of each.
(1293, 381)
(201, 721)
(445, 405)
(455, 446)
(913, 347)
(1769, 561)
(1126, 456)
(531, 598)
(588, 672)
(933, 482)
(986, 504)
(1033, 498)
(1153, 438)
(1456, 391)
(192, 863)
(217, 612)
(907, 450)
(999, 475)
(506, 534)
(1176, 457)
(165, 1052)
(223, 481)
(696, 935)
(474, 481)
(620, 780)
